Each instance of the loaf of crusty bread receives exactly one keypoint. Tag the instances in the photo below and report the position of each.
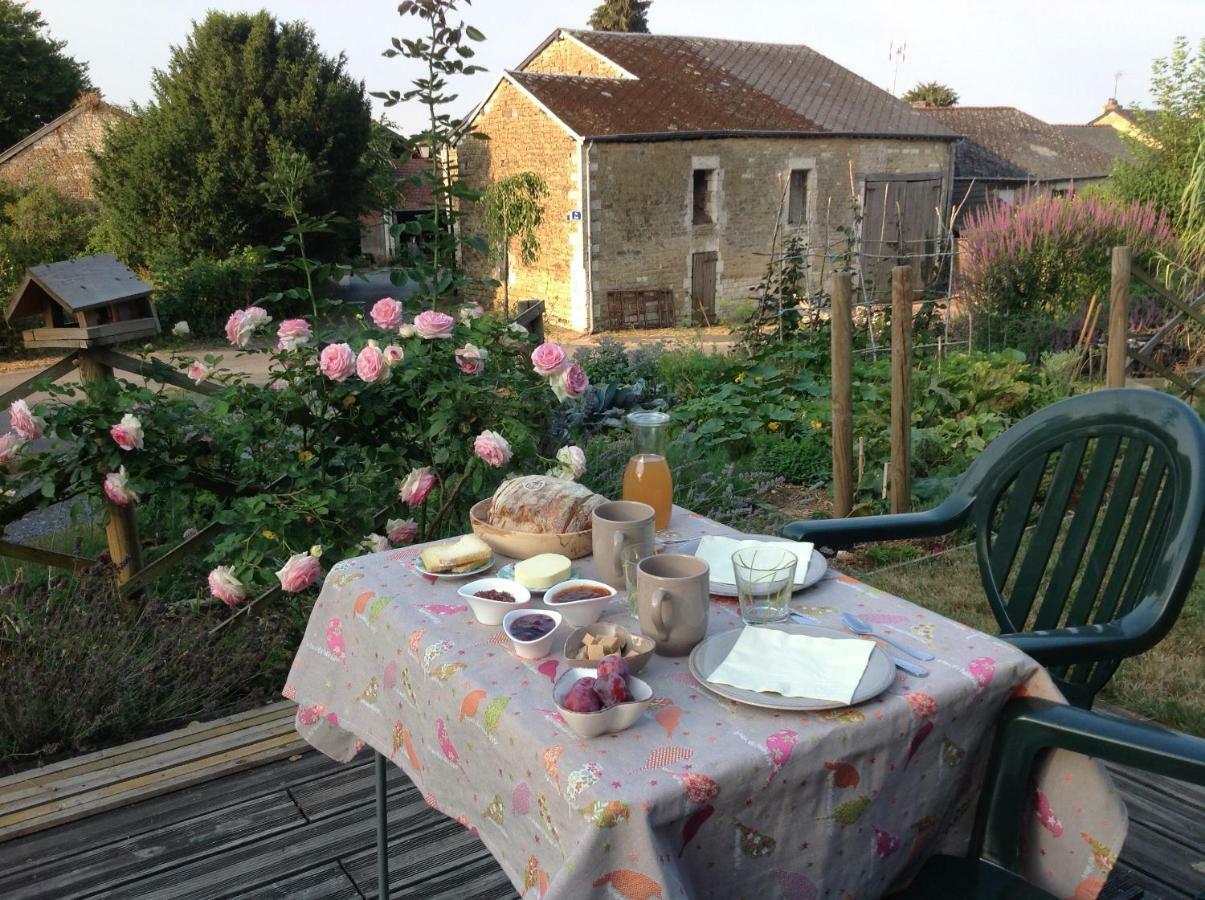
(540, 504)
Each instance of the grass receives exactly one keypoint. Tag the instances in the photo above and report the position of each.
(1166, 684)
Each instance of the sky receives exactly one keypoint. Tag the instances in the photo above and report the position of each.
(1055, 59)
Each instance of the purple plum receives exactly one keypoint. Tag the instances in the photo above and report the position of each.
(581, 697)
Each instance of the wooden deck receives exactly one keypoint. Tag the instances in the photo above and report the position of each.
(242, 808)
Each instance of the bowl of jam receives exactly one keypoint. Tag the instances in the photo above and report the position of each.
(531, 630)
(580, 600)
(492, 598)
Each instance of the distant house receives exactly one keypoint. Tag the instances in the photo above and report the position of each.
(377, 242)
(59, 153)
(1120, 118)
(1106, 140)
(675, 163)
(1004, 151)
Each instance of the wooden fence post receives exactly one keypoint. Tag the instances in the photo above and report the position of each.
(122, 529)
(841, 324)
(1119, 318)
(901, 389)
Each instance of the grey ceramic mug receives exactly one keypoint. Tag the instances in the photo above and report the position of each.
(615, 525)
(674, 594)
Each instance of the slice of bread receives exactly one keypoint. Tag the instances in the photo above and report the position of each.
(460, 555)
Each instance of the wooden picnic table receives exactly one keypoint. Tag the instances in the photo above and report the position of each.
(703, 797)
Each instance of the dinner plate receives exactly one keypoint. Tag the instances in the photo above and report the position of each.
(508, 571)
(817, 569)
(879, 674)
(422, 570)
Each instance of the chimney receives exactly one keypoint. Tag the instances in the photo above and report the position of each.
(1112, 105)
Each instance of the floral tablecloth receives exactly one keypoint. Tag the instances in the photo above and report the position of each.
(703, 797)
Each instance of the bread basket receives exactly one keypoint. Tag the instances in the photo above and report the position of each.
(523, 544)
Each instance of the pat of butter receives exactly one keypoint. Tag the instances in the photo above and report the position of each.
(543, 571)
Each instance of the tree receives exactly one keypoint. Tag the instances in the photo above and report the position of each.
(513, 208)
(621, 15)
(1167, 141)
(40, 81)
(182, 176)
(932, 93)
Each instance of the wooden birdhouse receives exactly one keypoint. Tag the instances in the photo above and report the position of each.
(92, 301)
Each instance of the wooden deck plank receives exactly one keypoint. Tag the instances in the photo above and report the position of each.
(190, 733)
(350, 786)
(1165, 867)
(162, 811)
(61, 790)
(242, 870)
(1155, 808)
(37, 818)
(327, 882)
(115, 864)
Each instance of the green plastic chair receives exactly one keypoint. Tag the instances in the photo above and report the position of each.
(1115, 482)
(1026, 728)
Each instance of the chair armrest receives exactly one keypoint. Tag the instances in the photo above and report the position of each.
(839, 534)
(1128, 636)
(1028, 726)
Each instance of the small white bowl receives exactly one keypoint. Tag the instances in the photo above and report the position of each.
(538, 648)
(606, 721)
(491, 612)
(580, 612)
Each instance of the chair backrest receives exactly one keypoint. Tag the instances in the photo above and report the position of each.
(1089, 513)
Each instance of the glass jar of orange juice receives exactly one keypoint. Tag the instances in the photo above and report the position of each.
(647, 477)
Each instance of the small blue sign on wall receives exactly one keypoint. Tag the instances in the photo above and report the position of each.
(576, 215)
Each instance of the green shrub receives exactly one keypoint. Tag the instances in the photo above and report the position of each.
(689, 373)
(204, 292)
(37, 225)
(804, 460)
(609, 362)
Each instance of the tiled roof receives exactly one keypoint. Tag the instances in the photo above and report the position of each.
(1002, 143)
(686, 85)
(415, 196)
(1102, 137)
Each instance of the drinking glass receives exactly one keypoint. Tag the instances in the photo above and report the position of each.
(630, 556)
(765, 578)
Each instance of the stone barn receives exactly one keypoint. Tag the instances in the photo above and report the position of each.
(60, 152)
(674, 163)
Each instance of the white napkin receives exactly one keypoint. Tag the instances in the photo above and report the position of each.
(717, 551)
(795, 665)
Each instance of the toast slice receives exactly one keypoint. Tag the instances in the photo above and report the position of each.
(460, 555)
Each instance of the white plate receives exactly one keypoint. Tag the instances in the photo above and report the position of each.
(422, 570)
(508, 571)
(879, 674)
(817, 568)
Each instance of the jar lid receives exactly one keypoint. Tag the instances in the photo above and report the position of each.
(647, 417)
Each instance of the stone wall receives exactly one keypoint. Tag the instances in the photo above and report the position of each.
(642, 234)
(567, 56)
(61, 157)
(525, 138)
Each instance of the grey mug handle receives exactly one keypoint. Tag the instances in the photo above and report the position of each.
(617, 547)
(660, 605)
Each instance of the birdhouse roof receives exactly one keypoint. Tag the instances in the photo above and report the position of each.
(76, 285)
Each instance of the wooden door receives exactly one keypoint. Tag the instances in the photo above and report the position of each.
(702, 287)
(901, 218)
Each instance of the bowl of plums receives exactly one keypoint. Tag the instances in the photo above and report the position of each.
(492, 598)
(603, 700)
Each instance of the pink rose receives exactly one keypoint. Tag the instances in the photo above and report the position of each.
(127, 433)
(371, 365)
(492, 449)
(243, 323)
(337, 362)
(432, 325)
(571, 383)
(199, 372)
(299, 572)
(417, 486)
(386, 313)
(406, 330)
(227, 588)
(117, 488)
(471, 359)
(548, 359)
(24, 422)
(293, 333)
(394, 355)
(469, 313)
(401, 531)
(278, 384)
(10, 443)
(375, 543)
